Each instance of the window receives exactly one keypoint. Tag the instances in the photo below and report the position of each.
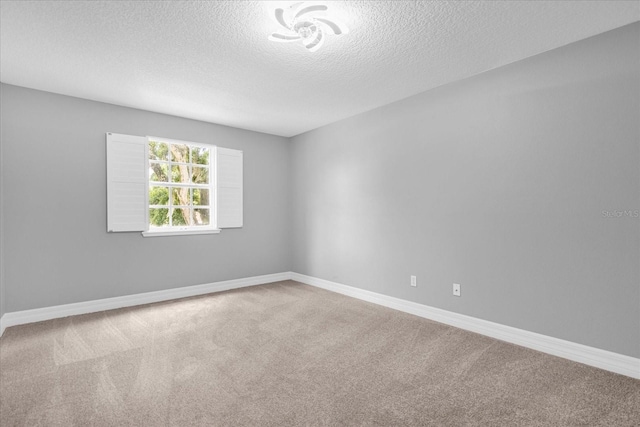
(166, 187)
(181, 187)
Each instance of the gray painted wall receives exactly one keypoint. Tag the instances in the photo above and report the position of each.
(2, 309)
(497, 182)
(54, 207)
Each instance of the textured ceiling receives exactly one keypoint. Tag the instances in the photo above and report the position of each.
(212, 61)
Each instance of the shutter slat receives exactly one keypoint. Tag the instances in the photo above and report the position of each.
(127, 182)
(229, 188)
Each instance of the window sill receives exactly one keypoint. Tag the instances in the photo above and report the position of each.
(167, 233)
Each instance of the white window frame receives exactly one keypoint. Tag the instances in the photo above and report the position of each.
(211, 186)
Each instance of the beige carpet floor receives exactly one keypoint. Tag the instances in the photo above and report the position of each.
(288, 354)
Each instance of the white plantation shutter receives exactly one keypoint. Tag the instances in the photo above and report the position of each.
(127, 182)
(229, 187)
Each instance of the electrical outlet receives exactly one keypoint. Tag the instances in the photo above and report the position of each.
(414, 281)
(456, 289)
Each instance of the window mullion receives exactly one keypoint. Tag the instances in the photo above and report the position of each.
(177, 184)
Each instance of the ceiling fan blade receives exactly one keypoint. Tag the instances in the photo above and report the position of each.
(316, 43)
(308, 9)
(295, 5)
(280, 18)
(337, 27)
(276, 37)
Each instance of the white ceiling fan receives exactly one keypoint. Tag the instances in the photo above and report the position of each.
(308, 23)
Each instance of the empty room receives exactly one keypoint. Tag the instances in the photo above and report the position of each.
(321, 213)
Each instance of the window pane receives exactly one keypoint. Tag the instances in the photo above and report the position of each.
(179, 153)
(180, 173)
(181, 196)
(158, 195)
(200, 155)
(181, 217)
(158, 217)
(158, 172)
(201, 196)
(201, 216)
(200, 175)
(158, 151)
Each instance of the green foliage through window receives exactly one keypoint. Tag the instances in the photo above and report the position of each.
(179, 178)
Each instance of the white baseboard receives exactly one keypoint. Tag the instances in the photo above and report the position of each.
(614, 362)
(47, 313)
(607, 360)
